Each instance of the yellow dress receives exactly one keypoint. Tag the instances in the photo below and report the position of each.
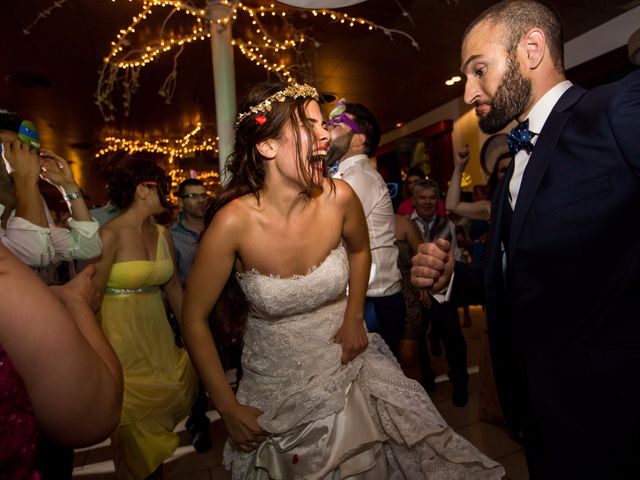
(159, 380)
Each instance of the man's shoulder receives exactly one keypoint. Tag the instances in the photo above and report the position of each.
(176, 228)
(362, 168)
(612, 92)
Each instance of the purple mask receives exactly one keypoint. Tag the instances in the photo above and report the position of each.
(343, 118)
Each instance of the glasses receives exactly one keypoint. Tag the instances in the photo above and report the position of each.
(195, 196)
(162, 186)
(343, 118)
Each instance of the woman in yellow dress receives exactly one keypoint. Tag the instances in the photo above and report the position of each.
(137, 262)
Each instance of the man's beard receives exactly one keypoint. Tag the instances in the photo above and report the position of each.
(509, 101)
(338, 148)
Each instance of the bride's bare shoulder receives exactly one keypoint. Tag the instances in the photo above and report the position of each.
(342, 191)
(236, 213)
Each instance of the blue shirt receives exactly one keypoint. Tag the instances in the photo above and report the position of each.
(185, 242)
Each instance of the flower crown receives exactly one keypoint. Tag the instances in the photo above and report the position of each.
(294, 91)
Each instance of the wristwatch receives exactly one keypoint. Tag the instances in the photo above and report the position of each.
(68, 197)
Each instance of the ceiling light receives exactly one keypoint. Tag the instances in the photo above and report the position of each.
(452, 80)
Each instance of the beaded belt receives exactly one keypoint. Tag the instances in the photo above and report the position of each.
(130, 291)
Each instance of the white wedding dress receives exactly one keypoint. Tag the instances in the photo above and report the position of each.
(327, 420)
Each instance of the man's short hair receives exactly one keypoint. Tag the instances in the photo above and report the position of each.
(519, 16)
(426, 185)
(415, 172)
(368, 125)
(189, 182)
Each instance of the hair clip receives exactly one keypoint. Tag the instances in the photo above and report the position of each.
(261, 119)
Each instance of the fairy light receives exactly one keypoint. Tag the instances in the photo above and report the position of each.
(123, 63)
(171, 148)
(209, 178)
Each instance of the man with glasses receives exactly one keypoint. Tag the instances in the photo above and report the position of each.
(355, 135)
(192, 199)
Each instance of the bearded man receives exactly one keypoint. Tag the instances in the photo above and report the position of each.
(562, 272)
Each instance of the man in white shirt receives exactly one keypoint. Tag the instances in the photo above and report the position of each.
(355, 135)
(560, 281)
(27, 228)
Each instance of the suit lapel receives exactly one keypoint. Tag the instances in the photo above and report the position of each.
(540, 158)
(499, 201)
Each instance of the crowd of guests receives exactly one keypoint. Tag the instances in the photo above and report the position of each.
(336, 302)
(130, 291)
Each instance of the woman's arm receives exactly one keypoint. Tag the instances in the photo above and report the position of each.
(211, 269)
(109, 237)
(26, 175)
(82, 237)
(69, 369)
(473, 210)
(57, 172)
(352, 334)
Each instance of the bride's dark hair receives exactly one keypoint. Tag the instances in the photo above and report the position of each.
(246, 174)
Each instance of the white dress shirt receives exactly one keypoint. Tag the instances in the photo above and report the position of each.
(29, 242)
(373, 193)
(537, 118)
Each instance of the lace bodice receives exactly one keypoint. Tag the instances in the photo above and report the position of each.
(272, 297)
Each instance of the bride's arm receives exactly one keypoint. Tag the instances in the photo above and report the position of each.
(352, 334)
(211, 269)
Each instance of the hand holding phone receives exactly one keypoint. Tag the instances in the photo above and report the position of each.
(28, 135)
(20, 160)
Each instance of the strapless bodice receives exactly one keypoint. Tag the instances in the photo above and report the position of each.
(273, 297)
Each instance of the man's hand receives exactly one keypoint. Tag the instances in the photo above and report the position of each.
(433, 265)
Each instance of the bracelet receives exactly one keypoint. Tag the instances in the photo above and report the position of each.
(68, 197)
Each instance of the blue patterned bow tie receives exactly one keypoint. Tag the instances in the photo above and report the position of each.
(519, 138)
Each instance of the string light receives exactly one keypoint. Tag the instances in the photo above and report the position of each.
(171, 148)
(123, 63)
(210, 178)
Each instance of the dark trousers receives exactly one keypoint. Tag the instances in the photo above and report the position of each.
(444, 318)
(389, 318)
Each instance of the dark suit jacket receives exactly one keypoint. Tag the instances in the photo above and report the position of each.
(564, 319)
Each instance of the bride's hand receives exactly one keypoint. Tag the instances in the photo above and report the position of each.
(243, 427)
(353, 339)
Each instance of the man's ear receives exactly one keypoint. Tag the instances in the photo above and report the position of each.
(267, 149)
(533, 47)
(357, 141)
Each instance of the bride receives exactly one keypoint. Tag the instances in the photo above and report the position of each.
(320, 398)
